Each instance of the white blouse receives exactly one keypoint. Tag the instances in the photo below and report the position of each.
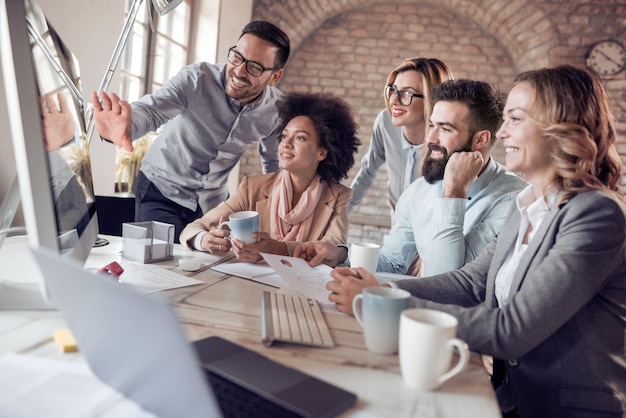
(532, 211)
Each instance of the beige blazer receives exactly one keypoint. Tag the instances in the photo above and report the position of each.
(330, 219)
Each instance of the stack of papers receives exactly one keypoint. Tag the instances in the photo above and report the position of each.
(149, 278)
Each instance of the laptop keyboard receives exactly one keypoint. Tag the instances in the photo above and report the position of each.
(236, 401)
(293, 319)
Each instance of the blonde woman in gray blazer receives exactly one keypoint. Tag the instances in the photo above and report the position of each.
(547, 298)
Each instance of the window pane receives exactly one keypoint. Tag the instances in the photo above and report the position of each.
(134, 56)
(169, 58)
(131, 87)
(170, 42)
(175, 24)
(133, 63)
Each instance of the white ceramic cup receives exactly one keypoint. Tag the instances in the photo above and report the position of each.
(378, 311)
(242, 225)
(364, 254)
(427, 338)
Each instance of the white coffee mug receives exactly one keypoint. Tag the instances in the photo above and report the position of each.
(427, 338)
(364, 254)
(378, 311)
(242, 225)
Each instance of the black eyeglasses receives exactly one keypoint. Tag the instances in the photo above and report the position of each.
(404, 97)
(252, 67)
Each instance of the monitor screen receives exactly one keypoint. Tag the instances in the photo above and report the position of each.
(49, 140)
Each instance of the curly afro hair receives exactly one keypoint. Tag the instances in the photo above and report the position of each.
(335, 126)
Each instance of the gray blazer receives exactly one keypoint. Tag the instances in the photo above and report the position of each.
(563, 333)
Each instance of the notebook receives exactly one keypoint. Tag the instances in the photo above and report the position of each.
(135, 343)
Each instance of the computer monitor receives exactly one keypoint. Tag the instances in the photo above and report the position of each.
(55, 184)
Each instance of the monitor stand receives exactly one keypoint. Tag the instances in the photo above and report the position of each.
(18, 263)
(21, 281)
(22, 297)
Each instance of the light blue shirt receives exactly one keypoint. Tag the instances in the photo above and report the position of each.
(206, 134)
(387, 144)
(448, 232)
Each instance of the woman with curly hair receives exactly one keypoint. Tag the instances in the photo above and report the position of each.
(547, 298)
(305, 200)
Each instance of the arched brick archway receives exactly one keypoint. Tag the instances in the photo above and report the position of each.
(349, 46)
(524, 29)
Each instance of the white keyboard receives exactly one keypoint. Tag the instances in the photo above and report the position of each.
(293, 319)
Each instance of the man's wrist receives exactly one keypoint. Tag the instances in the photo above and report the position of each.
(454, 192)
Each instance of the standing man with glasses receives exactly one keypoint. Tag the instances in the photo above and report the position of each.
(399, 130)
(209, 114)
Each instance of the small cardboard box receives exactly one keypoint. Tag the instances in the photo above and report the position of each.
(147, 242)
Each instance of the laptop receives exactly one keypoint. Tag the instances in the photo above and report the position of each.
(136, 344)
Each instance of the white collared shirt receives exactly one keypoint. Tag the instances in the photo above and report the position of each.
(532, 211)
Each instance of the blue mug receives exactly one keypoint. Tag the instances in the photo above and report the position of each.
(378, 311)
(242, 225)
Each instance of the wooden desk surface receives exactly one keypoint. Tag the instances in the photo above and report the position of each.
(230, 307)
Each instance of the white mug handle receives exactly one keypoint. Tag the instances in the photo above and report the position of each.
(464, 354)
(357, 308)
(222, 225)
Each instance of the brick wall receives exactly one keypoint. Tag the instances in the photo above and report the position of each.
(349, 46)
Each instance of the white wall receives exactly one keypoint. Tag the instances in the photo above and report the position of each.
(91, 28)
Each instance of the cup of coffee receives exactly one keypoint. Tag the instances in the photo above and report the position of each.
(364, 254)
(378, 311)
(242, 225)
(427, 339)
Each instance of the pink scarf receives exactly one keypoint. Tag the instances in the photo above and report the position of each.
(289, 223)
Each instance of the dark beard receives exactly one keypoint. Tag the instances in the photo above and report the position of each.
(433, 169)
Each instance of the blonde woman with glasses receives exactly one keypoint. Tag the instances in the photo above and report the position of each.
(399, 130)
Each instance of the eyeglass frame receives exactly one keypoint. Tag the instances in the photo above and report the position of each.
(397, 92)
(248, 62)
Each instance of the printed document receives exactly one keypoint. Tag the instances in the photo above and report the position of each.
(302, 278)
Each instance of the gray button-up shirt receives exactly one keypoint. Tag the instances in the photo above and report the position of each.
(205, 135)
(387, 145)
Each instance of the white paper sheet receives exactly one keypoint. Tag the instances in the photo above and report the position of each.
(303, 279)
(43, 388)
(259, 272)
(149, 278)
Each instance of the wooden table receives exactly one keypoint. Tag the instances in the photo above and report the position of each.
(230, 307)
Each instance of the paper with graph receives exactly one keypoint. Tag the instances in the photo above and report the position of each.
(301, 277)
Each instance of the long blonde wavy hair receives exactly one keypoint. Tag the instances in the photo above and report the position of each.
(573, 107)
